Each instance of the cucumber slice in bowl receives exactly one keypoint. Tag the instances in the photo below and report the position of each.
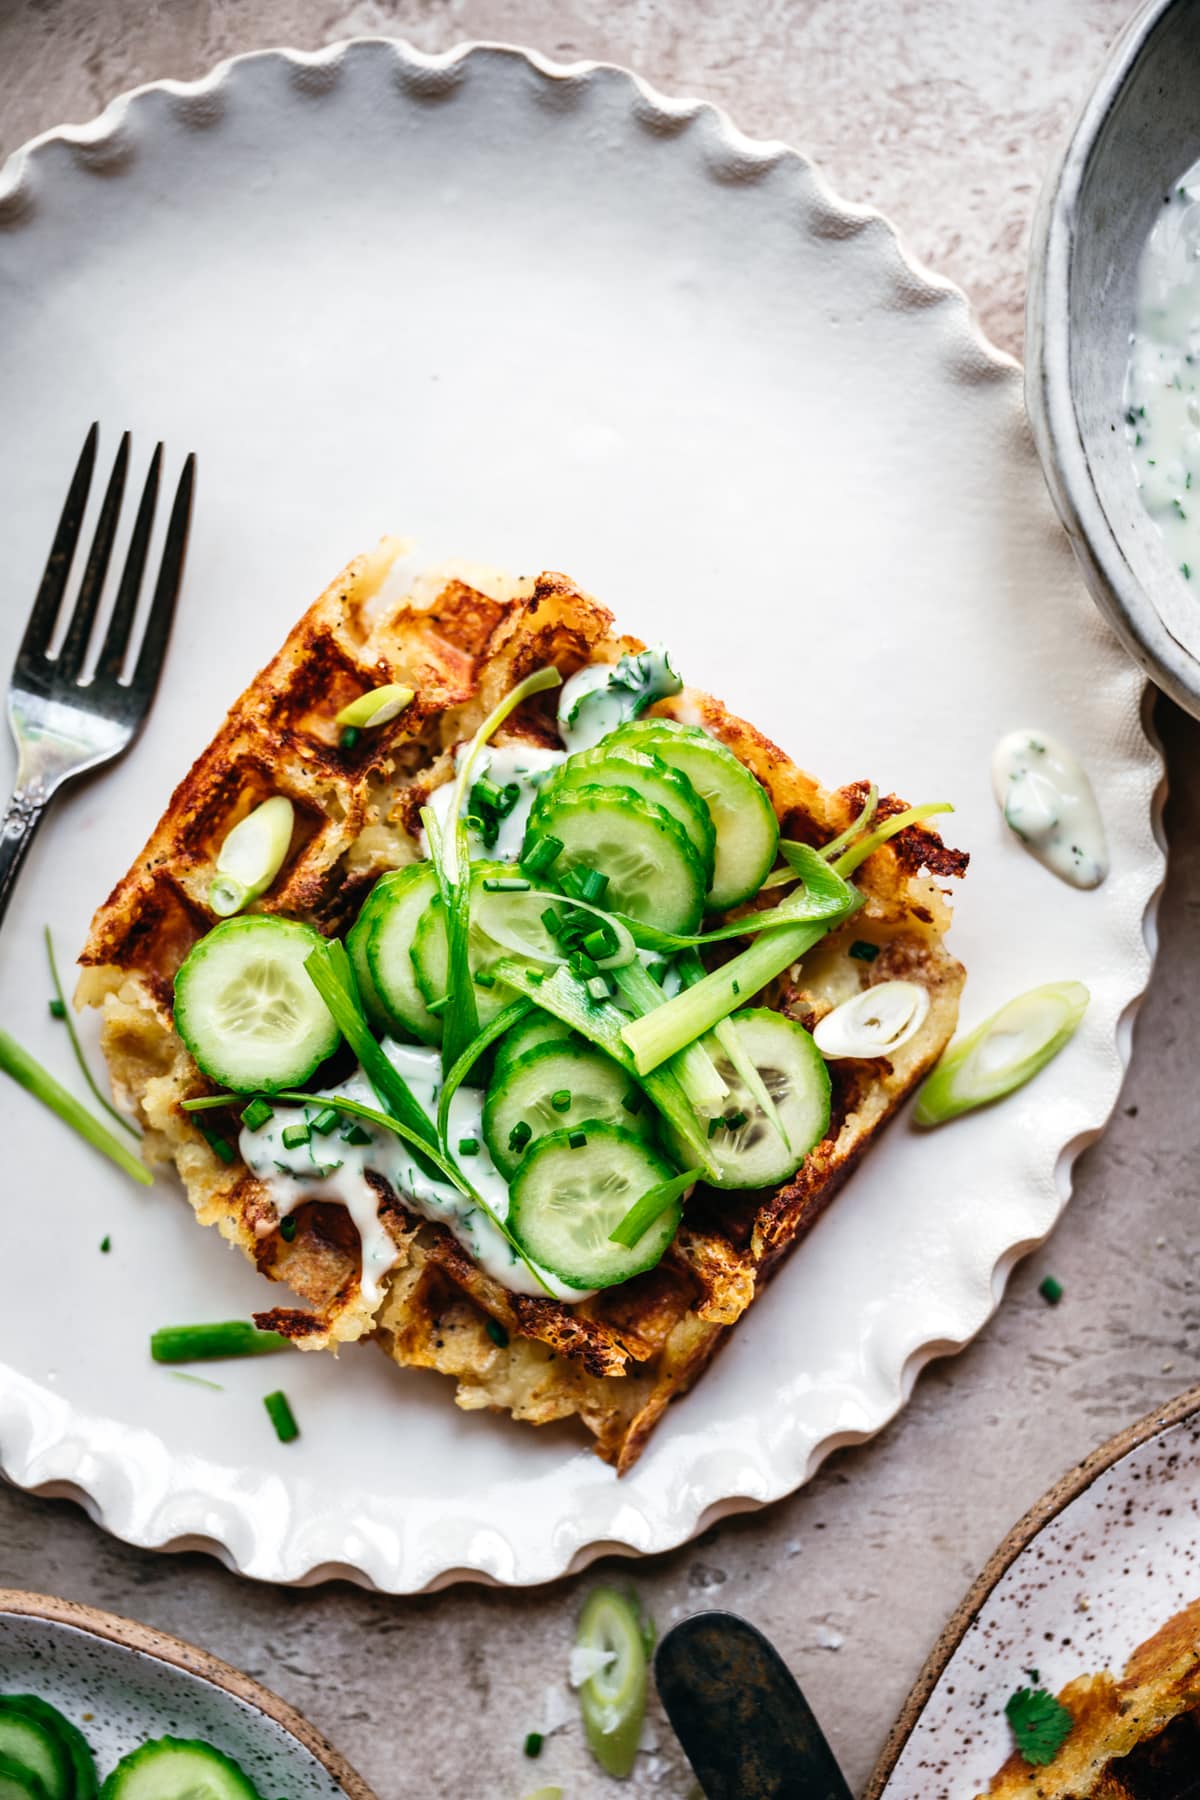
(556, 1087)
(746, 826)
(749, 1152)
(390, 926)
(566, 1198)
(623, 765)
(169, 1768)
(246, 1008)
(653, 872)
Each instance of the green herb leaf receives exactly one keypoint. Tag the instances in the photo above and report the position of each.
(1040, 1724)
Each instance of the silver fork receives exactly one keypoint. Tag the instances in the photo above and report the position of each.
(64, 726)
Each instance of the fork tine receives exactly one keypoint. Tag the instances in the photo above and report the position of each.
(166, 592)
(75, 645)
(120, 625)
(40, 628)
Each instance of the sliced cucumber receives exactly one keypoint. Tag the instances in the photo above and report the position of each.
(741, 810)
(389, 952)
(538, 1028)
(34, 1748)
(431, 956)
(69, 1736)
(752, 1154)
(169, 1768)
(586, 1083)
(357, 940)
(19, 1783)
(246, 1008)
(653, 872)
(566, 1198)
(619, 765)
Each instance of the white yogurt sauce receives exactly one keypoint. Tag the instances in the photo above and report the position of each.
(527, 766)
(328, 1168)
(1044, 793)
(604, 695)
(1162, 415)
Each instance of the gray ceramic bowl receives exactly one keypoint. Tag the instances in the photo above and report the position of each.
(1137, 134)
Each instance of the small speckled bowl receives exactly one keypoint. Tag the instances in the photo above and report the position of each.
(122, 1683)
(1138, 133)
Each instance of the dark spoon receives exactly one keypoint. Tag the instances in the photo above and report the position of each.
(745, 1727)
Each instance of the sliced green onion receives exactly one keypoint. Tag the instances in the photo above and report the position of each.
(348, 737)
(325, 1121)
(1004, 1052)
(534, 924)
(613, 1696)
(257, 1114)
(281, 1416)
(468, 1146)
(598, 988)
(354, 1134)
(252, 855)
(875, 1022)
(58, 1009)
(520, 1135)
(728, 1037)
(295, 1136)
(77, 1047)
(545, 851)
(458, 1072)
(836, 845)
(496, 1332)
(378, 707)
(537, 683)
(39, 1082)
(484, 978)
(560, 1100)
(653, 1203)
(693, 1068)
(576, 1139)
(205, 1343)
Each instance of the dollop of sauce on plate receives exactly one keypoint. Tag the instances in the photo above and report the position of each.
(1162, 394)
(1043, 791)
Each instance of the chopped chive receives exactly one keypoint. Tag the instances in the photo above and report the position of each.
(326, 1120)
(496, 1332)
(1185, 570)
(483, 979)
(77, 1047)
(560, 1100)
(485, 795)
(1051, 1290)
(350, 736)
(735, 1120)
(506, 884)
(287, 1228)
(714, 1125)
(356, 1135)
(581, 965)
(29, 1074)
(600, 942)
(544, 852)
(520, 1135)
(257, 1114)
(202, 1343)
(106, 1245)
(658, 972)
(438, 1007)
(737, 987)
(58, 1009)
(220, 1146)
(577, 1139)
(294, 1136)
(634, 1100)
(553, 920)
(192, 1381)
(468, 1146)
(533, 1743)
(598, 987)
(593, 886)
(863, 951)
(537, 976)
(281, 1416)
(510, 793)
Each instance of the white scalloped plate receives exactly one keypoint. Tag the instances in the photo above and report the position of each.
(540, 316)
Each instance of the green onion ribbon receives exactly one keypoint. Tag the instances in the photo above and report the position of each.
(651, 1206)
(459, 1070)
(824, 895)
(65, 1015)
(727, 1035)
(39, 1082)
(332, 976)
(206, 1343)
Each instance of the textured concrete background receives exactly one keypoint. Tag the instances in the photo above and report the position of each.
(946, 114)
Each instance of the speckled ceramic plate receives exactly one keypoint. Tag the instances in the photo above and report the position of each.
(1091, 1572)
(122, 1683)
(540, 317)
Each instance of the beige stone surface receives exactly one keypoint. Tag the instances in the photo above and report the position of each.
(945, 113)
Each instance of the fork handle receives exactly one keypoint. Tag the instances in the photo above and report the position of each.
(21, 819)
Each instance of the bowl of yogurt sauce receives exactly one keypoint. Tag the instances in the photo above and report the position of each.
(1113, 342)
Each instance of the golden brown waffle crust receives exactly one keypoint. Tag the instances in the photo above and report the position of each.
(1113, 1715)
(613, 1362)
